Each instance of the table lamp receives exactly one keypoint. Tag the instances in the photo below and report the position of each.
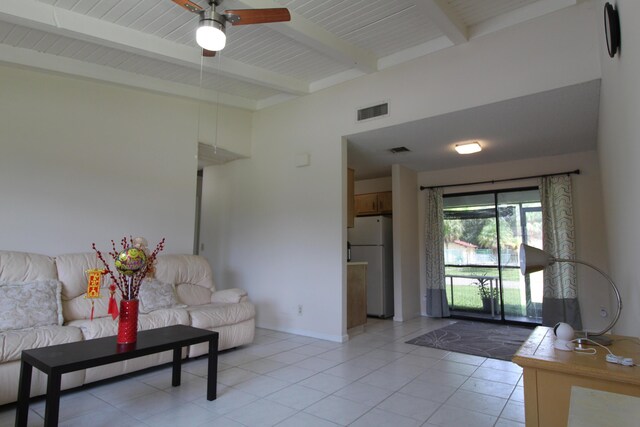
(534, 259)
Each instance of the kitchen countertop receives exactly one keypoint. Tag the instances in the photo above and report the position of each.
(357, 263)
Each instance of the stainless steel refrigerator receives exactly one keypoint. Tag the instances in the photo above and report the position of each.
(371, 240)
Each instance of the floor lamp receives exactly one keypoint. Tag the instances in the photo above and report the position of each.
(534, 259)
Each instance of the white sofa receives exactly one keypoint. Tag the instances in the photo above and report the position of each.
(226, 311)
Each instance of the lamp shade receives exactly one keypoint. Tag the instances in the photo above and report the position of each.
(533, 259)
(210, 35)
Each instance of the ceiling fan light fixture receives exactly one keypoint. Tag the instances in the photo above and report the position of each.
(210, 34)
(468, 148)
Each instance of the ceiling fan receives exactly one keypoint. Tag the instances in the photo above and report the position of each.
(211, 30)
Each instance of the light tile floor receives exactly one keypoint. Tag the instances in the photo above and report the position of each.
(285, 380)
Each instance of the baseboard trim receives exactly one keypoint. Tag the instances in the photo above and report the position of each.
(310, 334)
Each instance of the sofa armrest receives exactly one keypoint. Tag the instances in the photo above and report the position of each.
(234, 295)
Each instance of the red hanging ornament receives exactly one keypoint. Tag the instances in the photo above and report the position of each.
(113, 306)
(94, 278)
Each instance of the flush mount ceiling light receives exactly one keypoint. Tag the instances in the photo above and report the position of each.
(210, 34)
(468, 148)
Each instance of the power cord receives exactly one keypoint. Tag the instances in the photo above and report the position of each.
(611, 358)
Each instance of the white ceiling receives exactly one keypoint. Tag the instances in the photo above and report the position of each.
(151, 43)
(549, 123)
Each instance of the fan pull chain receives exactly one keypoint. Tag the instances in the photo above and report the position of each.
(199, 100)
(215, 144)
(217, 102)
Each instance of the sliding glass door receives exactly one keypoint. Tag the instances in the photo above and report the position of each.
(483, 232)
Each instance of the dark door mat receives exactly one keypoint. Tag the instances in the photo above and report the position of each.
(477, 338)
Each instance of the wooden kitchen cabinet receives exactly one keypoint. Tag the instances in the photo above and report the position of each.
(373, 203)
(385, 205)
(356, 294)
(366, 204)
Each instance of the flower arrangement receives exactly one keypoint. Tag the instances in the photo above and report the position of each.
(133, 263)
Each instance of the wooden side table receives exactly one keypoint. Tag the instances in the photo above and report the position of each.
(549, 375)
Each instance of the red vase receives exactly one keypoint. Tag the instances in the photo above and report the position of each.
(128, 323)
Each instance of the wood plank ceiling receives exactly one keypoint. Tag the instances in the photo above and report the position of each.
(151, 43)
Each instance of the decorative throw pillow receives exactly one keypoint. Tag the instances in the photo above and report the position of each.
(30, 304)
(155, 295)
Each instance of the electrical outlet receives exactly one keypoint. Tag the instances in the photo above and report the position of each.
(300, 310)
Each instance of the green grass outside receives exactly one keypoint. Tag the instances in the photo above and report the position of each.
(466, 297)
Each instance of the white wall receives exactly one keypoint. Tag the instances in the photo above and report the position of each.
(374, 185)
(406, 275)
(225, 127)
(591, 241)
(84, 162)
(619, 148)
(287, 247)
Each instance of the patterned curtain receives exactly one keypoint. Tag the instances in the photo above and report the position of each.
(560, 295)
(437, 305)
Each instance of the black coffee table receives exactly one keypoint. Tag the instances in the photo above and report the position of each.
(60, 359)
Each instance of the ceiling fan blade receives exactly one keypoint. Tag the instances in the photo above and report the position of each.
(257, 16)
(189, 5)
(208, 53)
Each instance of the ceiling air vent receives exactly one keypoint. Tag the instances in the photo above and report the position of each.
(373, 112)
(397, 150)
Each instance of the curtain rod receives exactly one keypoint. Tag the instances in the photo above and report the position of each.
(576, 172)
